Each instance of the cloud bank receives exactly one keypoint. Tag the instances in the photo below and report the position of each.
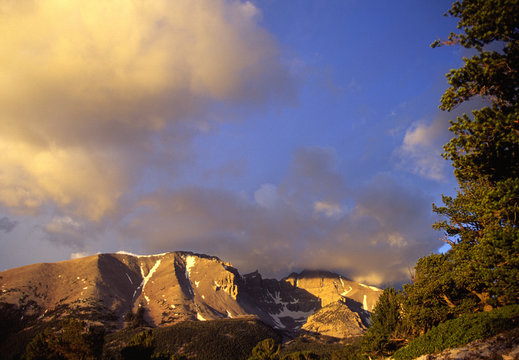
(93, 93)
(303, 222)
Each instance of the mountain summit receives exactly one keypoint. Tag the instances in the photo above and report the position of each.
(177, 286)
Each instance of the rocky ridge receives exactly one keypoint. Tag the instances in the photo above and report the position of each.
(178, 286)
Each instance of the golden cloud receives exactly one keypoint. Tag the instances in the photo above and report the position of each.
(84, 85)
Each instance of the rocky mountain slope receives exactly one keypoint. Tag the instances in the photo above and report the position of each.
(178, 286)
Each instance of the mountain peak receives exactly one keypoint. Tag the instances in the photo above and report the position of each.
(315, 273)
(176, 286)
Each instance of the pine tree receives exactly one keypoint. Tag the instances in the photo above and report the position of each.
(266, 350)
(481, 221)
(383, 336)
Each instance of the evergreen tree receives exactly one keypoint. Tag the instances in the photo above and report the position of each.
(266, 350)
(140, 347)
(73, 340)
(481, 221)
(386, 327)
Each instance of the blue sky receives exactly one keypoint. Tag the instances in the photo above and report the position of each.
(277, 135)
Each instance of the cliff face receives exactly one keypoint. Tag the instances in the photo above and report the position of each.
(180, 286)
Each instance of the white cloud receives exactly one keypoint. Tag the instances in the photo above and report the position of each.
(328, 208)
(77, 255)
(420, 152)
(396, 240)
(62, 224)
(266, 196)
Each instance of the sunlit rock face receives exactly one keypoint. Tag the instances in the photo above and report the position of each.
(179, 286)
(335, 319)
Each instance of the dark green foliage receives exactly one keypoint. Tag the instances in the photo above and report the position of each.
(72, 340)
(481, 222)
(320, 345)
(212, 340)
(266, 349)
(436, 294)
(461, 331)
(481, 269)
(386, 327)
(10, 322)
(40, 349)
(302, 355)
(141, 347)
(177, 357)
(13, 346)
(350, 352)
(135, 320)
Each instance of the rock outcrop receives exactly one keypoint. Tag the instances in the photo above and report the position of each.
(335, 320)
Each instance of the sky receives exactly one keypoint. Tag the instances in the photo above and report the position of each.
(277, 135)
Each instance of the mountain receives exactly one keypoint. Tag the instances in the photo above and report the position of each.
(168, 288)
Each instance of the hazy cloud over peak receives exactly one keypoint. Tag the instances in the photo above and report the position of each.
(375, 241)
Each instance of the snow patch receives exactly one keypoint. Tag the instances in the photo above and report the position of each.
(229, 315)
(129, 278)
(147, 299)
(278, 322)
(190, 262)
(122, 252)
(342, 282)
(296, 315)
(277, 298)
(371, 287)
(200, 317)
(299, 316)
(197, 283)
(203, 297)
(365, 302)
(346, 292)
(150, 274)
(86, 287)
(146, 278)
